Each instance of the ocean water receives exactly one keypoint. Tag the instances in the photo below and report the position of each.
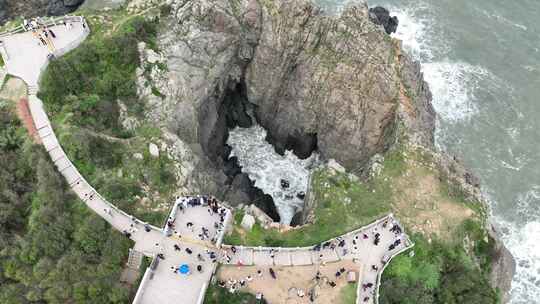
(267, 168)
(481, 59)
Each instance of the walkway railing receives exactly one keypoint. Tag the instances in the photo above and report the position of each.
(148, 274)
(46, 22)
(408, 245)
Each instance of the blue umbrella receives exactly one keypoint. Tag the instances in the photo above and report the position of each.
(184, 269)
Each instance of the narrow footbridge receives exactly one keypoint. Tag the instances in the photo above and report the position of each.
(180, 241)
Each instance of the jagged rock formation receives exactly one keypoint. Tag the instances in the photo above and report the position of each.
(312, 80)
(380, 15)
(330, 76)
(10, 9)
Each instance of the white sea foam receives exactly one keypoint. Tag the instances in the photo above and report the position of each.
(503, 20)
(523, 242)
(413, 31)
(454, 85)
(264, 166)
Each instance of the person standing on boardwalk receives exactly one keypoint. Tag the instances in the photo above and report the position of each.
(52, 33)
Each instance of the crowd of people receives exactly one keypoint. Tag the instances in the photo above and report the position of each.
(41, 32)
(203, 232)
(345, 245)
(235, 284)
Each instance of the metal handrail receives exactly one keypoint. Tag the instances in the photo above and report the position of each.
(49, 22)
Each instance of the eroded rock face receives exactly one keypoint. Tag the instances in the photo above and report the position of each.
(416, 111)
(10, 9)
(503, 267)
(333, 76)
(317, 81)
(313, 81)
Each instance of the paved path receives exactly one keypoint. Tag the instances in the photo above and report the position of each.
(26, 58)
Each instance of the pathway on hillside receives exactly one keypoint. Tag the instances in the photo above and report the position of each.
(26, 58)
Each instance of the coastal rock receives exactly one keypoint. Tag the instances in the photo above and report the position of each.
(503, 267)
(4, 16)
(153, 150)
(260, 215)
(335, 166)
(332, 77)
(330, 83)
(381, 16)
(247, 222)
(416, 111)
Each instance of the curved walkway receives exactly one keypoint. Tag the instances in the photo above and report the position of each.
(26, 58)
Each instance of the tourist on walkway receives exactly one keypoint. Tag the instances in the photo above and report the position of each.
(272, 273)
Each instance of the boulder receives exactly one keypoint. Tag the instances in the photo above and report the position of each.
(334, 165)
(153, 149)
(138, 156)
(260, 215)
(247, 222)
(381, 16)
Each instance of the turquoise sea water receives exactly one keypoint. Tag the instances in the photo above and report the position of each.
(482, 61)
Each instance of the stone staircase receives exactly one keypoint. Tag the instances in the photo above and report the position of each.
(134, 259)
(130, 274)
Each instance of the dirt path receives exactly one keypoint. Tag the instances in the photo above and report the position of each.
(284, 289)
(15, 90)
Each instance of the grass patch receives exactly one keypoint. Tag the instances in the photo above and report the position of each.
(348, 294)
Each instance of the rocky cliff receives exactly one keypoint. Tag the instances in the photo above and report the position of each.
(10, 9)
(337, 84)
(314, 81)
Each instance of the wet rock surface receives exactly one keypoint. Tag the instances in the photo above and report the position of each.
(381, 16)
(503, 267)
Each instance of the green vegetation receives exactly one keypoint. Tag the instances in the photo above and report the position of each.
(217, 295)
(82, 91)
(438, 273)
(348, 294)
(88, 81)
(52, 248)
(2, 63)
